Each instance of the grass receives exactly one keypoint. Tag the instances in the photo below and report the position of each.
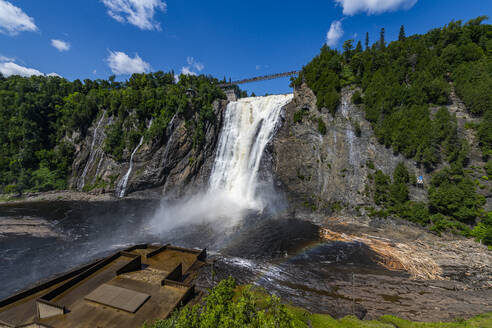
(305, 319)
(302, 318)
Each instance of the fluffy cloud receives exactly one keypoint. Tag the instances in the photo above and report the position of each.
(13, 20)
(334, 34)
(60, 45)
(6, 59)
(187, 71)
(121, 63)
(374, 7)
(136, 12)
(8, 67)
(193, 66)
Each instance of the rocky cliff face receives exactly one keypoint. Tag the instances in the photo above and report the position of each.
(328, 171)
(169, 165)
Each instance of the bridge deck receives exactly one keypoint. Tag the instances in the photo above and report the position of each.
(259, 78)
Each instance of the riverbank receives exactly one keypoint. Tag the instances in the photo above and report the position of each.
(75, 196)
(250, 305)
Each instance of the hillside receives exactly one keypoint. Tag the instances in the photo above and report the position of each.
(384, 115)
(365, 122)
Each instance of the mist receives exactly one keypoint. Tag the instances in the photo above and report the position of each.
(235, 189)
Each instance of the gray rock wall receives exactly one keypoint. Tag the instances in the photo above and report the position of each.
(170, 165)
(323, 172)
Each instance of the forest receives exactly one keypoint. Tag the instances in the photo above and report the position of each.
(404, 87)
(41, 118)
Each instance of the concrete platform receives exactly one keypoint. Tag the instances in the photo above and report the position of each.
(141, 283)
(118, 298)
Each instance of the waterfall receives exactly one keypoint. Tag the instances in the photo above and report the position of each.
(121, 187)
(92, 155)
(234, 187)
(249, 125)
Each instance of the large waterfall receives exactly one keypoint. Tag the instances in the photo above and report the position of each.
(234, 186)
(249, 125)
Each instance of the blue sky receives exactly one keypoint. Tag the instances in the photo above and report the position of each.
(236, 39)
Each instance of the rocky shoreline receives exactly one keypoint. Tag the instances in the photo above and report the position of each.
(418, 275)
(77, 196)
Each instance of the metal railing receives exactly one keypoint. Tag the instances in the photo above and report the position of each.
(258, 78)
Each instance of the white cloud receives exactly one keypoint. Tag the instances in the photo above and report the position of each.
(11, 68)
(60, 45)
(334, 34)
(94, 72)
(192, 66)
(6, 59)
(13, 20)
(374, 7)
(121, 63)
(187, 71)
(136, 12)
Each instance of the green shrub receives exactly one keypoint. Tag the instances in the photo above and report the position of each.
(357, 129)
(298, 115)
(488, 168)
(321, 126)
(223, 308)
(357, 97)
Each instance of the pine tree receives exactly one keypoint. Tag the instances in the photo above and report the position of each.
(401, 36)
(358, 48)
(382, 43)
(367, 40)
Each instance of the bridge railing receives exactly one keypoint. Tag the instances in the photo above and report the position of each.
(258, 78)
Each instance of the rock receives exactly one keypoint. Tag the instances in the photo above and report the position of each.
(327, 172)
(170, 163)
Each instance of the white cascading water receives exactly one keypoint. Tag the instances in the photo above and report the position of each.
(234, 187)
(249, 125)
(121, 187)
(92, 155)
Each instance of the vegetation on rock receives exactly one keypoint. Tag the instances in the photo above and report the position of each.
(406, 86)
(41, 118)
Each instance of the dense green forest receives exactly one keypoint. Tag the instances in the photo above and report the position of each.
(40, 115)
(404, 88)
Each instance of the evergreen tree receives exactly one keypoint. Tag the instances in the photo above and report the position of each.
(347, 49)
(382, 43)
(401, 36)
(367, 40)
(358, 48)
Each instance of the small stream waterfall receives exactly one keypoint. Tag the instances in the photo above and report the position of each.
(249, 125)
(121, 186)
(92, 154)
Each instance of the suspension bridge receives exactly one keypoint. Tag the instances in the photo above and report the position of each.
(258, 78)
